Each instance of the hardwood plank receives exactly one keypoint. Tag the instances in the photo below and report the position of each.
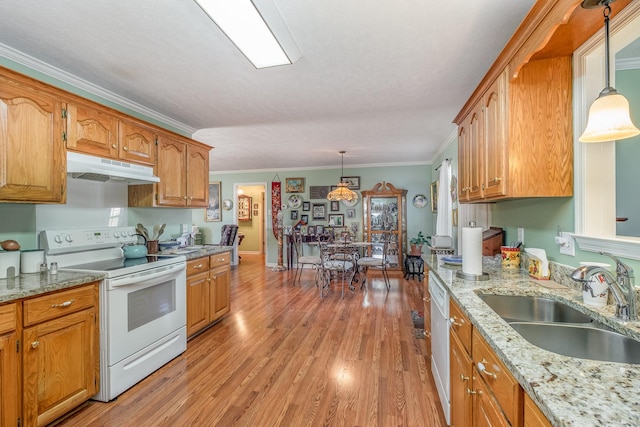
(283, 356)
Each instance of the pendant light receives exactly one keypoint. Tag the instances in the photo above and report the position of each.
(609, 117)
(343, 192)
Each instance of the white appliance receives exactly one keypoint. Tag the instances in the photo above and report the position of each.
(142, 302)
(440, 342)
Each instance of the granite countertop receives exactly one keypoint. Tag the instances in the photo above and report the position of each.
(570, 391)
(28, 285)
(193, 252)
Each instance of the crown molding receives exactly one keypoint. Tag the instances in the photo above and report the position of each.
(56, 73)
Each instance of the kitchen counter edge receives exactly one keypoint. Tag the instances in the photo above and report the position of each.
(33, 284)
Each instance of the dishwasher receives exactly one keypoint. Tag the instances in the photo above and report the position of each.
(440, 341)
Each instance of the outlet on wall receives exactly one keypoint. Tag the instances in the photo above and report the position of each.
(521, 235)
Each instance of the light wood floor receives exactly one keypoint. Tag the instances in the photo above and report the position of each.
(285, 357)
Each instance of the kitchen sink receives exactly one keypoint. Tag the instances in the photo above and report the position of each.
(585, 342)
(560, 328)
(533, 309)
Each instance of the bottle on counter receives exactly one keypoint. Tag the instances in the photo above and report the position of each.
(54, 268)
(43, 269)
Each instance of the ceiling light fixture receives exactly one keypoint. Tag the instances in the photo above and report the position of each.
(342, 192)
(609, 117)
(247, 28)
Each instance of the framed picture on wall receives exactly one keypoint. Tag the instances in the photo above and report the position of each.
(434, 196)
(294, 215)
(306, 206)
(336, 220)
(295, 185)
(351, 213)
(353, 182)
(335, 206)
(304, 218)
(213, 211)
(319, 211)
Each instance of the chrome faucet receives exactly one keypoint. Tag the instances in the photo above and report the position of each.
(620, 284)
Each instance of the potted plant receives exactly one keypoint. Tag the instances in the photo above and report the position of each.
(416, 243)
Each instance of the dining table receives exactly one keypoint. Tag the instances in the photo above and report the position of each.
(355, 248)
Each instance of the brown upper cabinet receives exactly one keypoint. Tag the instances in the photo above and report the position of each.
(136, 142)
(94, 130)
(183, 168)
(39, 121)
(515, 136)
(33, 162)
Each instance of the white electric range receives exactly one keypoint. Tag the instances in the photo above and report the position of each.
(142, 302)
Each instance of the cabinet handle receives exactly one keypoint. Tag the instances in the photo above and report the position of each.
(114, 146)
(197, 267)
(463, 378)
(185, 197)
(426, 334)
(470, 392)
(495, 180)
(483, 370)
(454, 323)
(426, 299)
(35, 344)
(64, 304)
(215, 277)
(125, 148)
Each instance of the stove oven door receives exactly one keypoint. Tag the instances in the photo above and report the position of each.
(144, 308)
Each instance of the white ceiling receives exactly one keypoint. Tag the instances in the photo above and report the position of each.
(380, 79)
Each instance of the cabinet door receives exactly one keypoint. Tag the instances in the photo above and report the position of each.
(461, 373)
(9, 402)
(197, 302)
(495, 138)
(220, 297)
(464, 161)
(30, 130)
(476, 154)
(136, 143)
(172, 164)
(60, 361)
(197, 176)
(91, 131)
(486, 411)
(533, 416)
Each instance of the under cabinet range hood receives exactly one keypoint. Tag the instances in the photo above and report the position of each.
(93, 168)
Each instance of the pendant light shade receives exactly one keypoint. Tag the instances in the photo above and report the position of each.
(343, 192)
(609, 117)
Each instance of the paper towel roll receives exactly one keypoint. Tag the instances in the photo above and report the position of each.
(472, 250)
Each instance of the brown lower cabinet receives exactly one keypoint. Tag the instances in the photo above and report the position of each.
(55, 366)
(208, 291)
(483, 391)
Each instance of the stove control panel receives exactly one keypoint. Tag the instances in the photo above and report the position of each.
(59, 241)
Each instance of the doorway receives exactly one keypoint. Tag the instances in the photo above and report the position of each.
(251, 217)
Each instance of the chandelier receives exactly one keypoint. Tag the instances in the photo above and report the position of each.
(343, 192)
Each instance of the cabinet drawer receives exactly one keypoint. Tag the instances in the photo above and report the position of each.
(218, 260)
(503, 386)
(461, 326)
(59, 304)
(7, 318)
(197, 265)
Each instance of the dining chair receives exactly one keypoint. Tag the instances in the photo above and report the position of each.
(377, 261)
(302, 259)
(335, 267)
